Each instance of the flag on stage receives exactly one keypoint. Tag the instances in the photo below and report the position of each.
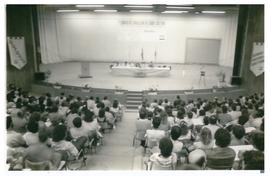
(16, 46)
(142, 54)
(257, 59)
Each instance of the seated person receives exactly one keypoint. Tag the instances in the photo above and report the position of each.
(71, 149)
(175, 134)
(40, 152)
(14, 139)
(154, 135)
(165, 159)
(206, 140)
(237, 134)
(221, 157)
(198, 158)
(164, 124)
(142, 124)
(212, 126)
(78, 130)
(19, 122)
(31, 136)
(224, 117)
(110, 117)
(101, 118)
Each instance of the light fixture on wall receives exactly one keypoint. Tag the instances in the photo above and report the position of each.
(89, 5)
(173, 11)
(67, 10)
(214, 12)
(106, 11)
(177, 7)
(141, 11)
(138, 6)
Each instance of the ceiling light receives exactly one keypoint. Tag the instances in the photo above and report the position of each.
(68, 10)
(105, 10)
(141, 11)
(175, 7)
(89, 5)
(214, 12)
(175, 12)
(138, 6)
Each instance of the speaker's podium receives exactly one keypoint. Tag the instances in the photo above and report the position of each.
(85, 70)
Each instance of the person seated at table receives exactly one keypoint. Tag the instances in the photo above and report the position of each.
(221, 157)
(40, 152)
(165, 159)
(237, 134)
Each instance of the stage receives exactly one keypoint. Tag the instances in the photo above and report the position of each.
(180, 77)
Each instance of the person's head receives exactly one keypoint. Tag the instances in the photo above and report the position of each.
(234, 107)
(88, 116)
(59, 133)
(142, 115)
(206, 136)
(238, 131)
(222, 137)
(243, 119)
(213, 120)
(156, 122)
(257, 140)
(42, 136)
(77, 122)
(201, 112)
(175, 132)
(35, 116)
(166, 147)
(224, 109)
(197, 157)
(105, 98)
(190, 115)
(9, 122)
(206, 120)
(115, 104)
(184, 128)
(107, 109)
(101, 113)
(32, 126)
(253, 160)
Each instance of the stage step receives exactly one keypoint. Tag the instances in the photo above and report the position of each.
(133, 100)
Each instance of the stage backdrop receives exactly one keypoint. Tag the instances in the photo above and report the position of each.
(124, 36)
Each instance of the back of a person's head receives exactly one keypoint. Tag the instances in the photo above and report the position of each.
(107, 109)
(142, 115)
(59, 133)
(206, 136)
(165, 146)
(224, 109)
(184, 128)
(238, 131)
(213, 120)
(222, 137)
(77, 122)
(201, 112)
(54, 109)
(175, 132)
(257, 139)
(32, 126)
(156, 122)
(206, 120)
(190, 115)
(35, 116)
(42, 136)
(254, 160)
(233, 107)
(88, 116)
(243, 119)
(101, 113)
(115, 104)
(9, 122)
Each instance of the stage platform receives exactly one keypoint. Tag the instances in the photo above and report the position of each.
(181, 77)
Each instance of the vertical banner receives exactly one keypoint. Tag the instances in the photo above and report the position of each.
(257, 59)
(16, 46)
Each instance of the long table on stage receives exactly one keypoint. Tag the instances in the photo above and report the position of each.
(141, 71)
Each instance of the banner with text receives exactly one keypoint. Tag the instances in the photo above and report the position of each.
(17, 52)
(257, 59)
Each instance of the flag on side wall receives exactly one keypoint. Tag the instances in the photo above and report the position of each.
(17, 52)
(142, 54)
(257, 59)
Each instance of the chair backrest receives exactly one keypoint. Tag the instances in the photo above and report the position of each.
(44, 165)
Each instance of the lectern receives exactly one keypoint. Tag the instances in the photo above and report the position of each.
(85, 70)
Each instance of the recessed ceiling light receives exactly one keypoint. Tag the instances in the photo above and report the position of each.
(105, 10)
(175, 11)
(89, 5)
(214, 12)
(138, 6)
(177, 7)
(66, 10)
(141, 11)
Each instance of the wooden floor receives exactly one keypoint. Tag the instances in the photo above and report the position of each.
(181, 77)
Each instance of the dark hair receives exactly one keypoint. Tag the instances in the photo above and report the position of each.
(254, 160)
(190, 115)
(206, 120)
(59, 133)
(224, 109)
(101, 113)
(165, 146)
(35, 116)
(243, 119)
(156, 122)
(202, 112)
(77, 122)
(9, 122)
(206, 136)
(184, 128)
(222, 137)
(200, 161)
(32, 126)
(238, 131)
(88, 116)
(257, 139)
(42, 136)
(142, 115)
(107, 109)
(213, 120)
(175, 132)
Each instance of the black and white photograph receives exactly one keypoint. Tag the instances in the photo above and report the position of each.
(134, 87)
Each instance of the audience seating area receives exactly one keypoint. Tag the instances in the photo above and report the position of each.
(59, 132)
(56, 133)
(200, 134)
